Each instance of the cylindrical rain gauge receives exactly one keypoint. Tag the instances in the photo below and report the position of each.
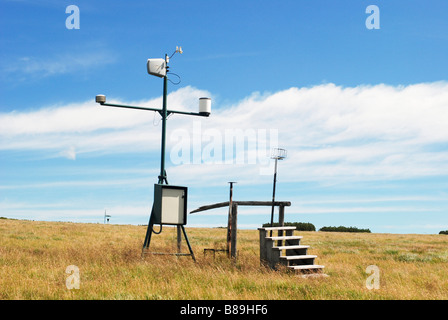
(205, 106)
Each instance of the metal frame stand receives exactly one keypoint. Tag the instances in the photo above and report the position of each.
(163, 180)
(162, 177)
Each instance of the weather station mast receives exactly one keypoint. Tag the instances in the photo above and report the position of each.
(277, 154)
(170, 202)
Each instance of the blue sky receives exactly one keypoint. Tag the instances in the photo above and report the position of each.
(362, 112)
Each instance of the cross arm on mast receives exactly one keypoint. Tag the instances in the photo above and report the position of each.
(153, 109)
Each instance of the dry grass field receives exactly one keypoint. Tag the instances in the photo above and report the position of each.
(34, 256)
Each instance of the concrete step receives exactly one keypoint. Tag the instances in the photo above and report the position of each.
(277, 228)
(307, 267)
(293, 247)
(285, 238)
(308, 256)
(285, 249)
(298, 260)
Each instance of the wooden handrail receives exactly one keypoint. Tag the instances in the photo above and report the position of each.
(242, 203)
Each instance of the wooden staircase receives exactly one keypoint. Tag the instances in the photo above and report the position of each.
(285, 249)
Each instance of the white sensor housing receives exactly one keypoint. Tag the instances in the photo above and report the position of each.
(156, 67)
(205, 106)
(100, 98)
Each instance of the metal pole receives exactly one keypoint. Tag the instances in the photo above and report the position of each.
(179, 239)
(149, 230)
(162, 176)
(273, 196)
(188, 243)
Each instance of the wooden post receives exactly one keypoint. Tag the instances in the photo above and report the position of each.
(281, 221)
(234, 230)
(229, 232)
(281, 215)
(263, 247)
(229, 220)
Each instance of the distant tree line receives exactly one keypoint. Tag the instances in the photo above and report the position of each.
(300, 226)
(443, 232)
(344, 229)
(306, 226)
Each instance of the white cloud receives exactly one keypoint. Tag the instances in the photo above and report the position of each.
(70, 153)
(77, 128)
(56, 64)
(334, 133)
(330, 132)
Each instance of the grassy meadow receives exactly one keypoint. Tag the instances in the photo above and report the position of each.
(34, 256)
